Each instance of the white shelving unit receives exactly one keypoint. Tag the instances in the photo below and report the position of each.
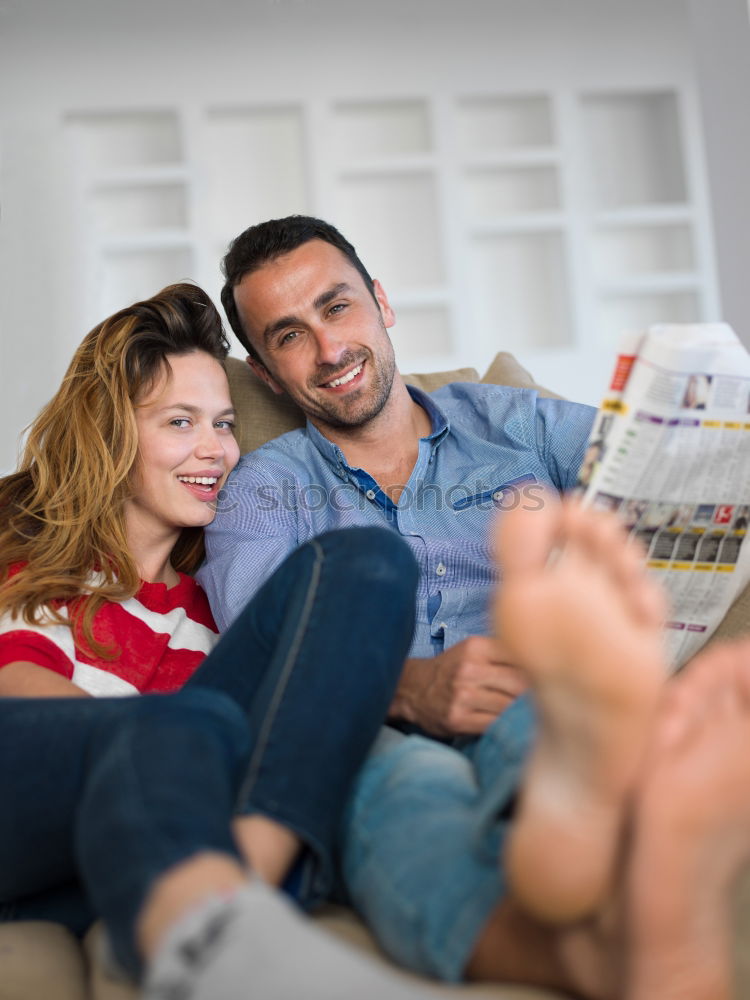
(384, 195)
(642, 222)
(529, 222)
(514, 221)
(134, 188)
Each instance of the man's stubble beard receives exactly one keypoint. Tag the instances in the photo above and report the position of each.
(352, 412)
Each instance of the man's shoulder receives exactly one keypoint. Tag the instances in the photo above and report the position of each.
(471, 401)
(481, 397)
(478, 394)
(286, 452)
(496, 413)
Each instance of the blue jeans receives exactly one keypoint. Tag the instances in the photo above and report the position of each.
(422, 838)
(108, 794)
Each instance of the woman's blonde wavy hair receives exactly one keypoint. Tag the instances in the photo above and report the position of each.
(62, 511)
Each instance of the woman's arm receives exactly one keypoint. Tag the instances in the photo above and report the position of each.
(22, 679)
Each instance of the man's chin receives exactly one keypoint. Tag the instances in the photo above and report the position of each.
(356, 413)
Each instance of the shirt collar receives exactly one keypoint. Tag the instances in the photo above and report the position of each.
(335, 457)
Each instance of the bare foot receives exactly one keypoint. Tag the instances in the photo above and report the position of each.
(580, 615)
(691, 833)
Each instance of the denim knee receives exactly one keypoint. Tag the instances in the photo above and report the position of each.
(379, 554)
(203, 708)
(411, 857)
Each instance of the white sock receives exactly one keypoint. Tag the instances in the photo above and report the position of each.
(254, 945)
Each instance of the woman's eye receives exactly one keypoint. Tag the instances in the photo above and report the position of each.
(180, 422)
(225, 425)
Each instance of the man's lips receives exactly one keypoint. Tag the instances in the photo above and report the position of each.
(347, 379)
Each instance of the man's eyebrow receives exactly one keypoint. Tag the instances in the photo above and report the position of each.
(330, 295)
(322, 300)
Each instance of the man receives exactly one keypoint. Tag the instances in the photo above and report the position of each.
(436, 468)
(427, 825)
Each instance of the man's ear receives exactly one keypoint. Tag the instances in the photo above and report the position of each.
(386, 310)
(260, 370)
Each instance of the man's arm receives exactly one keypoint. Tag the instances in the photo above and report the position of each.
(460, 691)
(563, 430)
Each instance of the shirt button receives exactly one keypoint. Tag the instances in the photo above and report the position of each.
(440, 569)
(370, 494)
(443, 626)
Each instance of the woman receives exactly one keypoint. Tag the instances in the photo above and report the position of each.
(146, 810)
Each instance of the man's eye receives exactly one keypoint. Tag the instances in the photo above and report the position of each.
(338, 307)
(288, 337)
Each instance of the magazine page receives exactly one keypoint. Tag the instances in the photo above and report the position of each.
(673, 459)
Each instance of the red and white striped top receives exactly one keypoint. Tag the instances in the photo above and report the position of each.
(162, 635)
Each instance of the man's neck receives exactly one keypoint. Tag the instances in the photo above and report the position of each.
(387, 446)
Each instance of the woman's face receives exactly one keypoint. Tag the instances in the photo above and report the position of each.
(186, 447)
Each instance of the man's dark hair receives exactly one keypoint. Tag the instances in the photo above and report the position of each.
(265, 242)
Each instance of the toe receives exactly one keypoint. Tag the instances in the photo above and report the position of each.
(524, 539)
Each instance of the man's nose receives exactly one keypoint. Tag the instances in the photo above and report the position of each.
(330, 346)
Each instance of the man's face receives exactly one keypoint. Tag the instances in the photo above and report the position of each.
(320, 334)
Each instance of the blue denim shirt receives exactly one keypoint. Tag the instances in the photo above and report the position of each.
(491, 447)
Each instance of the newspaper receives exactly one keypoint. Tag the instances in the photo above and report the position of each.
(670, 452)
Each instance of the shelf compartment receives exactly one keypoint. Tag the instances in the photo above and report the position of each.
(421, 332)
(125, 139)
(255, 166)
(650, 215)
(512, 190)
(157, 176)
(505, 123)
(634, 149)
(412, 163)
(512, 158)
(646, 283)
(154, 239)
(530, 222)
(642, 250)
(132, 208)
(617, 313)
(520, 291)
(396, 222)
(375, 129)
(126, 276)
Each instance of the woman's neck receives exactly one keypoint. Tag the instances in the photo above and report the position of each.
(152, 555)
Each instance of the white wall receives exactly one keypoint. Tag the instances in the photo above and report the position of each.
(88, 54)
(721, 43)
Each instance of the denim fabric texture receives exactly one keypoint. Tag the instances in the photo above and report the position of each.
(276, 720)
(422, 839)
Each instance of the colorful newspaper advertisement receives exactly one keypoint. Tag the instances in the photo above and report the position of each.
(670, 452)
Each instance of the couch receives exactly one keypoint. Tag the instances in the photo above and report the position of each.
(42, 961)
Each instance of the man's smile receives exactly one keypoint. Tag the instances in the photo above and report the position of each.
(344, 381)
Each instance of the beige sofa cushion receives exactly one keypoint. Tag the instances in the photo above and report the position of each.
(40, 961)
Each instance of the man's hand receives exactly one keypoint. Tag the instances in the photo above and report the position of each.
(460, 691)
